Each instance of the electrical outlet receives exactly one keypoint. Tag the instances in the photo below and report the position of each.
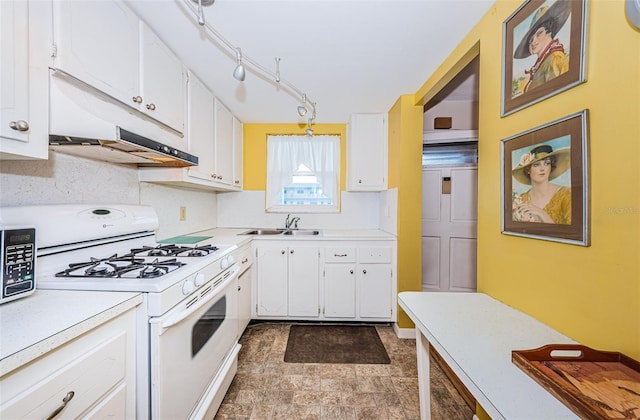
(183, 213)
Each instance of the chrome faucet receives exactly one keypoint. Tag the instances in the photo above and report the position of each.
(293, 222)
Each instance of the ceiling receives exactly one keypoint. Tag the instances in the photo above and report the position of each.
(348, 56)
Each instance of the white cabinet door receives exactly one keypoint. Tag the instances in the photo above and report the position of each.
(163, 81)
(303, 279)
(200, 131)
(223, 144)
(23, 80)
(339, 291)
(367, 152)
(98, 43)
(238, 149)
(271, 266)
(244, 301)
(375, 290)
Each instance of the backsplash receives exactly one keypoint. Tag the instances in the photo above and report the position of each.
(66, 179)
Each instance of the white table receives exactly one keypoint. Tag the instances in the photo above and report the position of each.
(475, 334)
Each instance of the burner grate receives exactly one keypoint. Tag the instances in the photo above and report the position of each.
(125, 266)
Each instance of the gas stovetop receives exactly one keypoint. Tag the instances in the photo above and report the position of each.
(146, 262)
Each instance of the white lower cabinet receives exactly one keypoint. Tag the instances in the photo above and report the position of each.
(287, 280)
(348, 280)
(359, 282)
(244, 258)
(92, 376)
(339, 277)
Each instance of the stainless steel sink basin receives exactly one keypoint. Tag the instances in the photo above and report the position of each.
(263, 232)
(287, 232)
(301, 232)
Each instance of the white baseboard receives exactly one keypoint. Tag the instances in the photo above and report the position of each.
(404, 333)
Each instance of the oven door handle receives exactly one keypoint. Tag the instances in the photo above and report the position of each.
(180, 316)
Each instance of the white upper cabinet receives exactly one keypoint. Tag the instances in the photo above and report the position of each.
(238, 153)
(104, 45)
(163, 81)
(224, 144)
(201, 129)
(98, 43)
(367, 136)
(24, 124)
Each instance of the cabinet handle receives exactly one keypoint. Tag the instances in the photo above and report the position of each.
(350, 271)
(359, 181)
(151, 107)
(244, 260)
(239, 288)
(20, 125)
(282, 252)
(339, 255)
(137, 99)
(65, 401)
(364, 271)
(291, 252)
(236, 182)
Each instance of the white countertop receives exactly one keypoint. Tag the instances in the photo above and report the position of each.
(235, 236)
(37, 324)
(475, 334)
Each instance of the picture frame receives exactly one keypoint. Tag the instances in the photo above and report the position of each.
(545, 182)
(543, 51)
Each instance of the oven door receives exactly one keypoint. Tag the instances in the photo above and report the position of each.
(189, 344)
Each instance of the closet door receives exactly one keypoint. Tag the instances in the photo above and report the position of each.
(449, 223)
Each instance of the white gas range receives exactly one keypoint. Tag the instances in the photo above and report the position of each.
(187, 328)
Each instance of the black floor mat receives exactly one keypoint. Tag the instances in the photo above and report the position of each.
(335, 344)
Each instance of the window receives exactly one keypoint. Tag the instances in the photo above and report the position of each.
(303, 174)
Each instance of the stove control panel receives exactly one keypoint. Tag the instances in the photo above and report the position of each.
(17, 262)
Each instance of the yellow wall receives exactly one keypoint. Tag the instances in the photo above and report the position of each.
(405, 173)
(591, 294)
(255, 149)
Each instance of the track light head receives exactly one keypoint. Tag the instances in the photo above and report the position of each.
(302, 111)
(309, 132)
(239, 72)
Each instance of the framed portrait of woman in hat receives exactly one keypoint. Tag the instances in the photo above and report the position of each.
(545, 182)
(543, 51)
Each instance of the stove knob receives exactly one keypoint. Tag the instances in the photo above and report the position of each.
(232, 260)
(200, 280)
(188, 287)
(224, 263)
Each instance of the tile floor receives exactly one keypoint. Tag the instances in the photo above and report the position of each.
(266, 387)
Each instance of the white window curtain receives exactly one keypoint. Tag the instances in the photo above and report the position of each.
(319, 154)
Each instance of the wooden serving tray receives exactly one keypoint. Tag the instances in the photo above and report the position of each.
(593, 384)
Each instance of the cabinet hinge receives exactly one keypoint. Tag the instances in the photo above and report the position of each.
(54, 49)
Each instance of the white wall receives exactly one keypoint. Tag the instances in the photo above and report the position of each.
(359, 210)
(64, 179)
(464, 114)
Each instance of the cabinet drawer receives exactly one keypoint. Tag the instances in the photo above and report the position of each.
(90, 376)
(374, 255)
(244, 257)
(340, 255)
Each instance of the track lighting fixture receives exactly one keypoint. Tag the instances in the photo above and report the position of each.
(201, 3)
(239, 72)
(302, 109)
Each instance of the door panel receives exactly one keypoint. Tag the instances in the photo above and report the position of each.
(462, 264)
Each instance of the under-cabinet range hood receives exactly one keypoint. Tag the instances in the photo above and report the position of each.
(85, 122)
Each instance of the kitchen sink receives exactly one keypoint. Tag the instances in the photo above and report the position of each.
(287, 232)
(264, 232)
(301, 232)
